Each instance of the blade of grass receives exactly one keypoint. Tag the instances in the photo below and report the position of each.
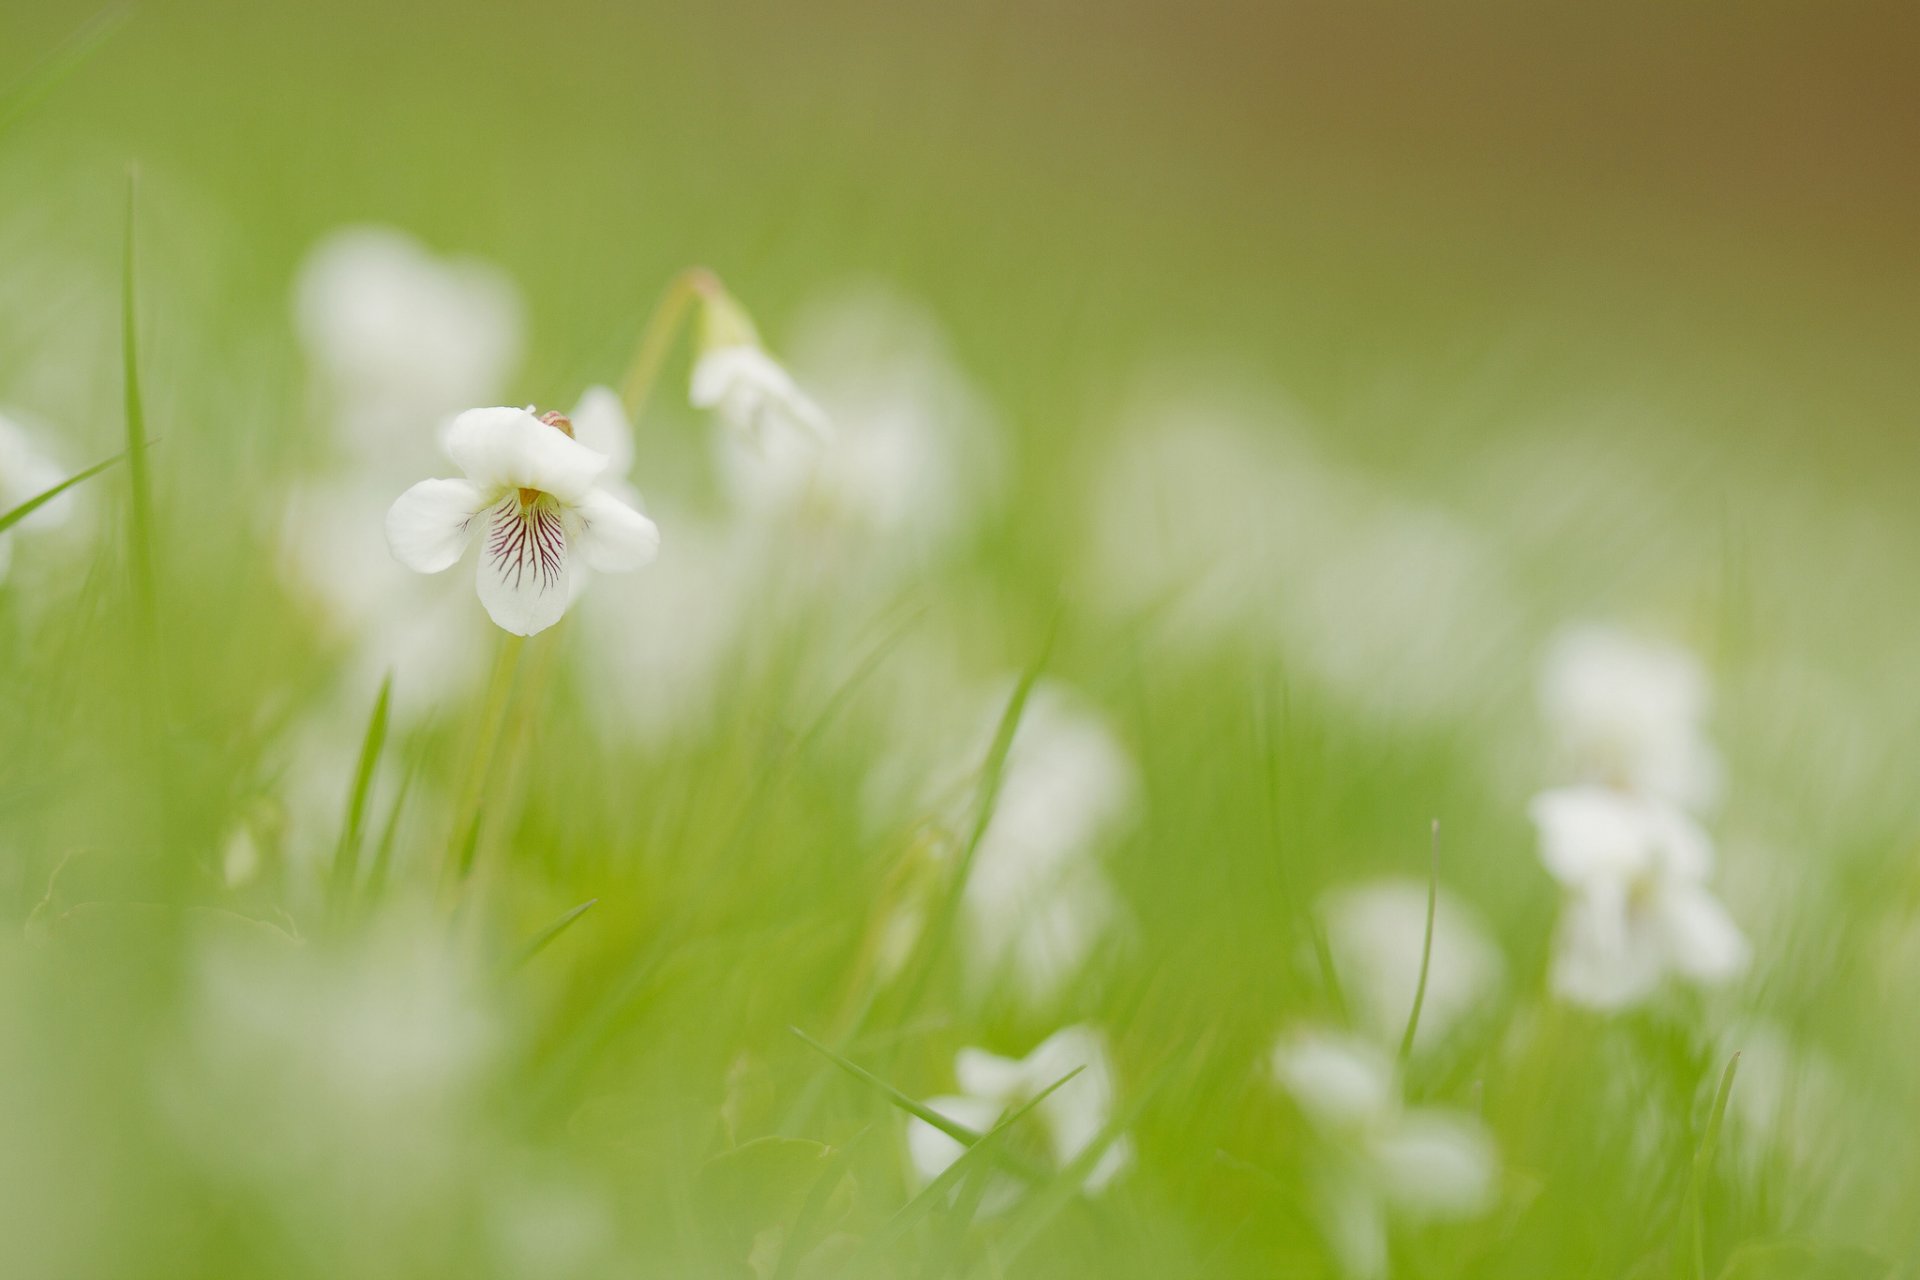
(1426, 946)
(346, 855)
(383, 852)
(1310, 920)
(540, 940)
(917, 1208)
(69, 56)
(41, 499)
(140, 527)
(938, 936)
(1058, 1193)
(1702, 1164)
(958, 1132)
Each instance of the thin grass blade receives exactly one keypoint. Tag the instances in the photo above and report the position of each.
(540, 941)
(67, 58)
(41, 499)
(346, 857)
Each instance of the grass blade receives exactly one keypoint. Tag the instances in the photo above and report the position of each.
(958, 1132)
(917, 1208)
(1426, 946)
(539, 941)
(140, 527)
(1066, 1185)
(41, 499)
(991, 776)
(346, 857)
(66, 59)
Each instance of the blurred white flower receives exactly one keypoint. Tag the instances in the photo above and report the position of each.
(402, 339)
(1638, 908)
(1215, 525)
(1036, 900)
(1071, 1118)
(364, 1061)
(1628, 713)
(26, 472)
(1382, 1158)
(755, 396)
(1377, 934)
(537, 488)
(913, 451)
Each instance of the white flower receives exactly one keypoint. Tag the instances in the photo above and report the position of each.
(1377, 934)
(1382, 1157)
(1628, 712)
(1638, 907)
(1036, 898)
(400, 337)
(755, 396)
(914, 454)
(26, 472)
(1071, 1118)
(531, 495)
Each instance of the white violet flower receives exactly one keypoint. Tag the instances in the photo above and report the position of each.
(754, 395)
(1377, 936)
(1072, 1117)
(1381, 1156)
(752, 392)
(533, 496)
(1629, 713)
(1635, 871)
(399, 335)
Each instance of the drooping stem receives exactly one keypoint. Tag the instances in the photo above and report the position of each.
(657, 338)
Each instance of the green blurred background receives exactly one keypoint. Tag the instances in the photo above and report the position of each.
(1635, 289)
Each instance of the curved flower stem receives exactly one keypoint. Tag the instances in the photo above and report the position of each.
(657, 338)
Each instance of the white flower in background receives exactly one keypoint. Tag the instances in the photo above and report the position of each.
(26, 472)
(1629, 713)
(914, 452)
(365, 1061)
(1215, 526)
(1377, 935)
(750, 390)
(1036, 900)
(1071, 1118)
(755, 396)
(1638, 908)
(402, 339)
(1382, 1158)
(531, 496)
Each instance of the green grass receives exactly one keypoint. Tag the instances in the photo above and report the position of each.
(312, 970)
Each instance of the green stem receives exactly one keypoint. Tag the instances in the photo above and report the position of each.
(486, 745)
(656, 340)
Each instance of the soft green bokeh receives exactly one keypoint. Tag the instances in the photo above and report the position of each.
(1533, 295)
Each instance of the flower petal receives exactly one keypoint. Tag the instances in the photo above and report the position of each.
(1592, 833)
(1436, 1164)
(523, 566)
(929, 1150)
(1702, 941)
(600, 423)
(1340, 1081)
(612, 536)
(1604, 957)
(428, 526)
(512, 449)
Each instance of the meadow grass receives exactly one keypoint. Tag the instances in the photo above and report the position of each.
(368, 940)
